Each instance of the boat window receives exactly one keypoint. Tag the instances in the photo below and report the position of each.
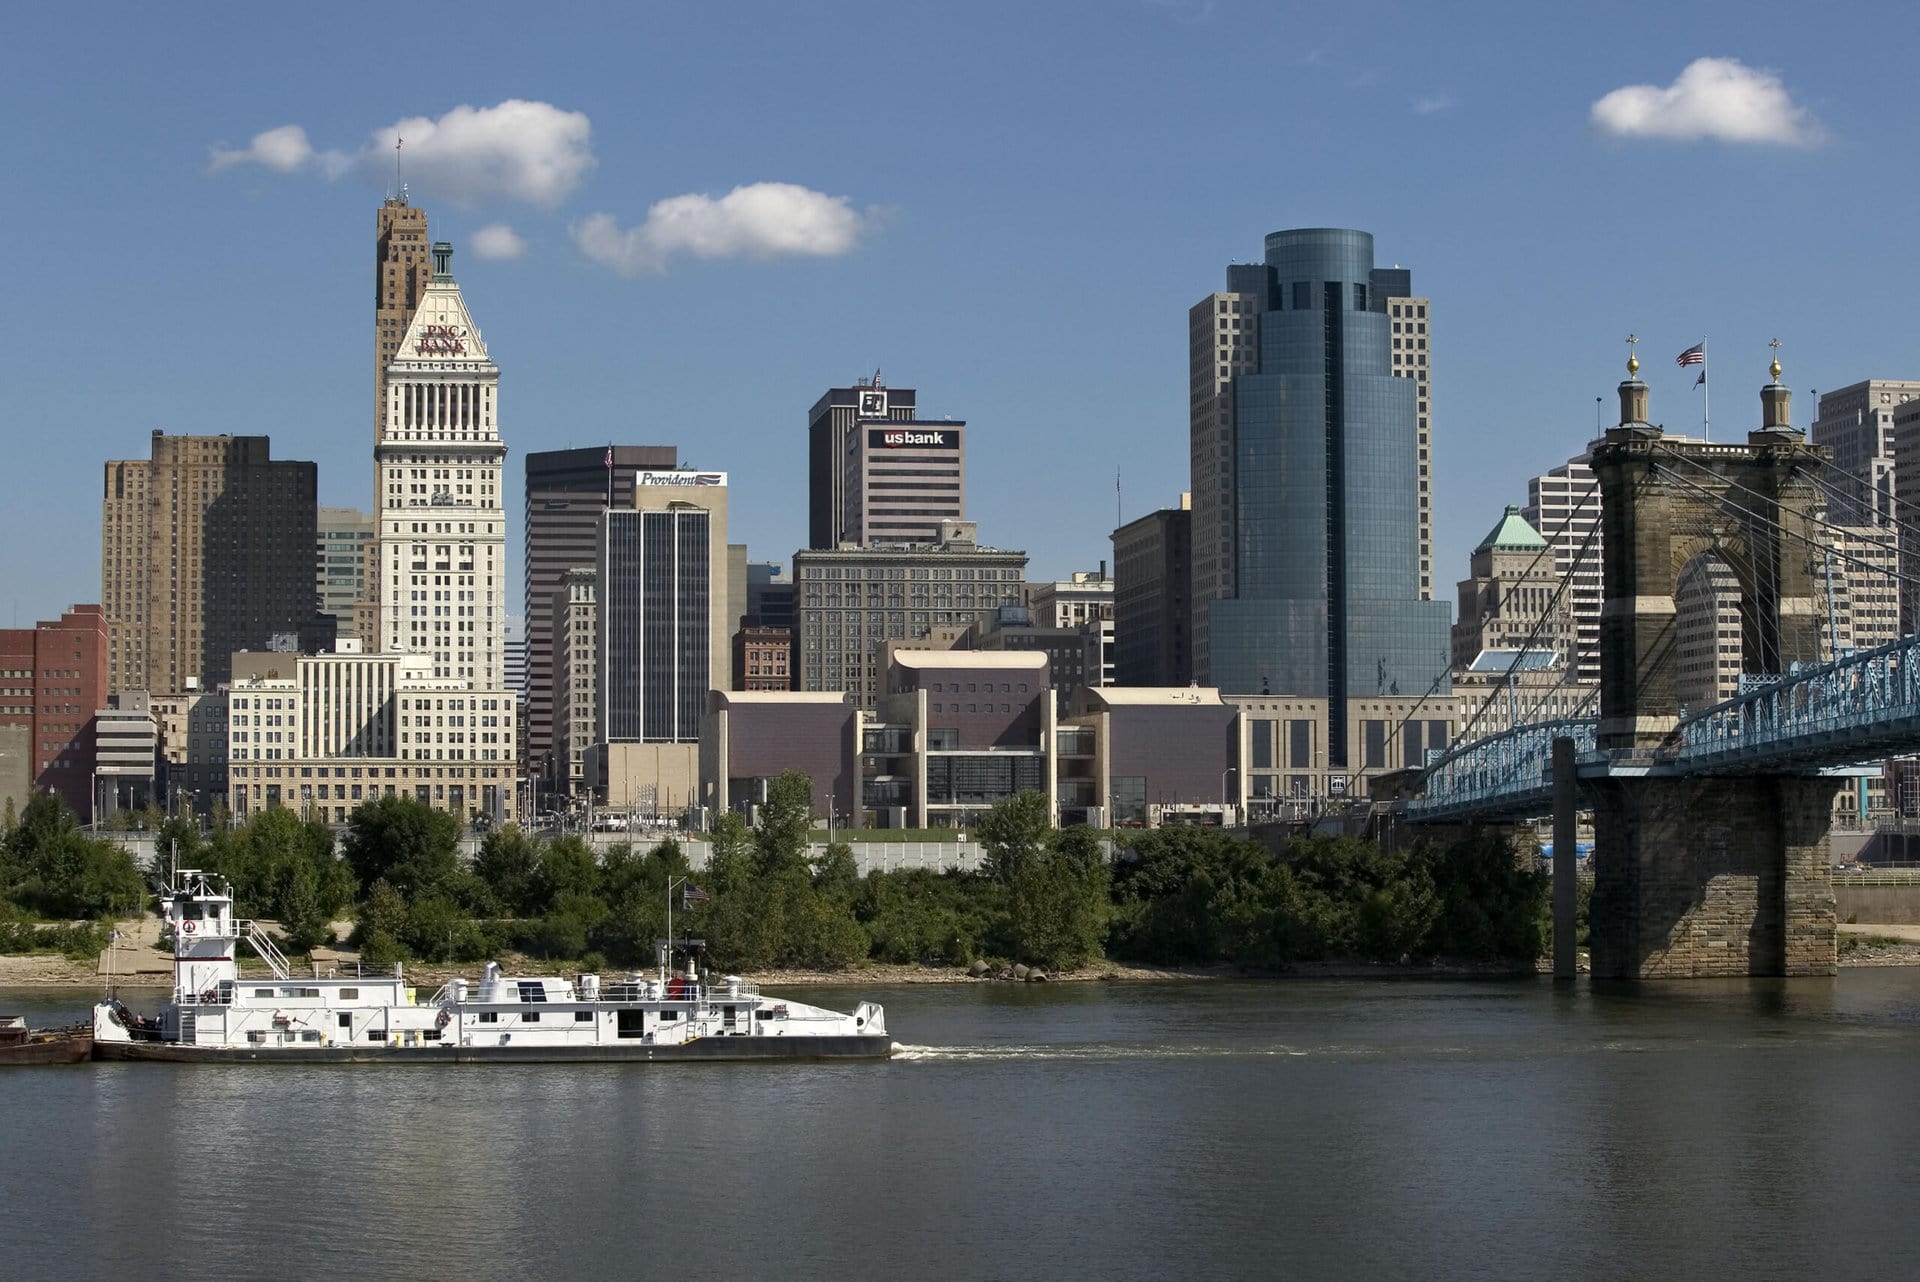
(530, 1017)
(349, 994)
(532, 991)
(489, 1017)
(309, 1034)
(375, 1035)
(256, 1037)
(668, 1016)
(583, 1017)
(263, 992)
(630, 1023)
(346, 1020)
(431, 1035)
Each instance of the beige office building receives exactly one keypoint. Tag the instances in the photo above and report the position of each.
(443, 522)
(849, 602)
(1856, 422)
(344, 540)
(324, 733)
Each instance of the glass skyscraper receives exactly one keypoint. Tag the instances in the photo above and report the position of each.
(1326, 597)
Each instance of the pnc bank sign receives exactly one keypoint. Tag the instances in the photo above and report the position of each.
(441, 340)
(902, 438)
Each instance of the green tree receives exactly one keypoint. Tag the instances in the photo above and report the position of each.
(568, 869)
(412, 846)
(786, 824)
(1490, 903)
(1185, 894)
(506, 863)
(1059, 899)
(304, 921)
(634, 888)
(58, 871)
(381, 923)
(1015, 830)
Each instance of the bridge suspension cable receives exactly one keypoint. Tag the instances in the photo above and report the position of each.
(1593, 493)
(1839, 553)
(1773, 523)
(1866, 483)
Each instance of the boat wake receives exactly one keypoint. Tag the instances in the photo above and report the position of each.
(1088, 1051)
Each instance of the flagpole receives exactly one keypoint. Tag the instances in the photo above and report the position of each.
(667, 967)
(1706, 393)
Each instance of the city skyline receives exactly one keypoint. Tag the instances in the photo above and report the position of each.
(252, 202)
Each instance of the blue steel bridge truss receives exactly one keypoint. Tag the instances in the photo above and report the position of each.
(1861, 708)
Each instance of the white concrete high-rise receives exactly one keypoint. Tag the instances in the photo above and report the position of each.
(443, 521)
(1223, 342)
(1856, 423)
(1564, 506)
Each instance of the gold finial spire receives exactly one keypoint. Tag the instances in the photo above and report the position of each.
(1774, 368)
(1633, 361)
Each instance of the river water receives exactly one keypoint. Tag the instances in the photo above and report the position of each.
(1367, 1129)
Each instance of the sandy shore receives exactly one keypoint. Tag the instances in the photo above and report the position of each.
(136, 961)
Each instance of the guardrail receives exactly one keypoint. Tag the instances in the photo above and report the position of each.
(1853, 709)
(1506, 773)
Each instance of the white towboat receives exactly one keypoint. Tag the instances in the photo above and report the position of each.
(217, 1015)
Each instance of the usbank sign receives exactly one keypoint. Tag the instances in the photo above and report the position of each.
(901, 438)
(680, 478)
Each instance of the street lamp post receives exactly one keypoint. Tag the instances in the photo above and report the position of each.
(1230, 770)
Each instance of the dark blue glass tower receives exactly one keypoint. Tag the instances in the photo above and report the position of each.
(1326, 546)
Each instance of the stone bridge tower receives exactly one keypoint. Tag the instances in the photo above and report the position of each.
(1699, 875)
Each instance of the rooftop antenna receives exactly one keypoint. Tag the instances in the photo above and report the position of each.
(397, 142)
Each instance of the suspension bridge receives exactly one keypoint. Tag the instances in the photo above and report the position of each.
(1710, 825)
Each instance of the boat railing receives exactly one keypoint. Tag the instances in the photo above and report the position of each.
(271, 955)
(222, 996)
(624, 994)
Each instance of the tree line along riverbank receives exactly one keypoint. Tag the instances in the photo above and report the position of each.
(766, 902)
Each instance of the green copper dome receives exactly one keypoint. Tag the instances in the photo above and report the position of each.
(1512, 534)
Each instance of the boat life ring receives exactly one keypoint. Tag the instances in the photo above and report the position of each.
(445, 1017)
(187, 926)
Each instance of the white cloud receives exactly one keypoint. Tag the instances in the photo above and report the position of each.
(760, 220)
(517, 150)
(530, 151)
(284, 150)
(497, 241)
(1428, 106)
(1720, 98)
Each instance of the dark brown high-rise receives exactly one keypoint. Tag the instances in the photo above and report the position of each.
(205, 549)
(566, 492)
(401, 270)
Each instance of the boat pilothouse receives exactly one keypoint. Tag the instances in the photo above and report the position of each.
(677, 1013)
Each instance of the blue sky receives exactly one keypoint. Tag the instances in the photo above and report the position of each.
(1007, 206)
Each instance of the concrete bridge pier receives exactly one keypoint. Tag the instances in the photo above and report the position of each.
(1699, 877)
